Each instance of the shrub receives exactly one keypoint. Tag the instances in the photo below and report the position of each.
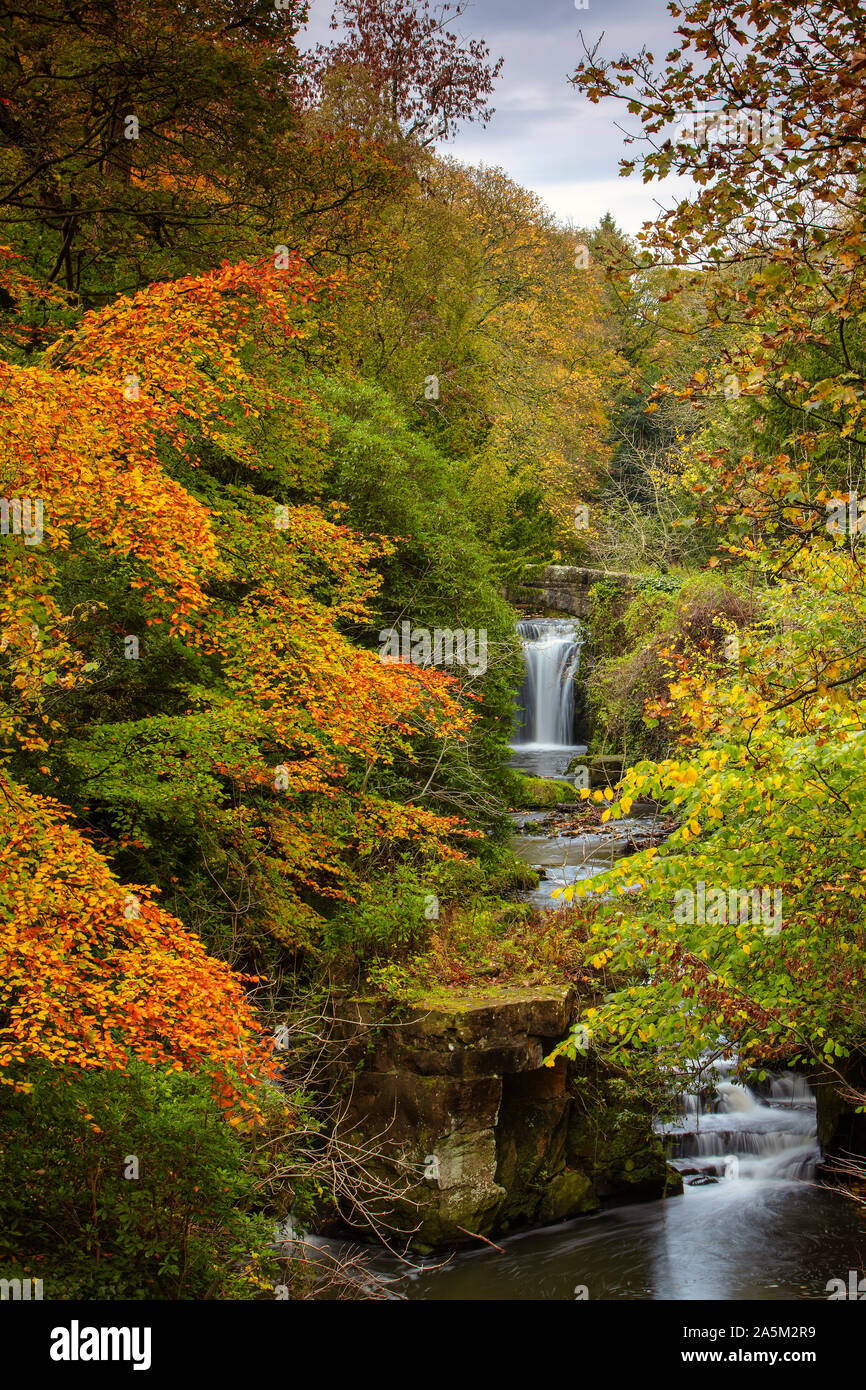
(638, 641)
(186, 1227)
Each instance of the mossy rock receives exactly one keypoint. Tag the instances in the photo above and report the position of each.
(534, 793)
(569, 1194)
(673, 1182)
(518, 878)
(621, 1153)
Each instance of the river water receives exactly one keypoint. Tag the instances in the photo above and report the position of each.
(752, 1222)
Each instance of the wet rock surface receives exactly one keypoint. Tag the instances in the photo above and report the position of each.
(460, 1092)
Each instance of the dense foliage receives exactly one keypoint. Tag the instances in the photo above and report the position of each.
(747, 929)
(278, 381)
(255, 413)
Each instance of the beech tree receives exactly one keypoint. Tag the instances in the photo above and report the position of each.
(765, 772)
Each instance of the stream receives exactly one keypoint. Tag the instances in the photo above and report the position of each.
(752, 1222)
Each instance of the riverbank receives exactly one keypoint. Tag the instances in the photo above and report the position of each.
(752, 1222)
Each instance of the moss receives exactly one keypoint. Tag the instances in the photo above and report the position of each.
(534, 793)
(516, 876)
(610, 1136)
(568, 1194)
(623, 1160)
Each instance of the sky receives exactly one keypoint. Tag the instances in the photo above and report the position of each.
(545, 135)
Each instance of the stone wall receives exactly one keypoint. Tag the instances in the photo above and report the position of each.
(565, 588)
(495, 1138)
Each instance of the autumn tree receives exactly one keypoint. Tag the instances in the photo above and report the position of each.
(474, 315)
(762, 105)
(130, 135)
(429, 78)
(778, 215)
(252, 766)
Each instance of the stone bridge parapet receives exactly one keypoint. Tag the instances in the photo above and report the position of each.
(566, 587)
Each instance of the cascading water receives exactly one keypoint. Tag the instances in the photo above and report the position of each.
(749, 1224)
(729, 1132)
(744, 1229)
(551, 652)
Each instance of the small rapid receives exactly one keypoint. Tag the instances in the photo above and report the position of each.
(749, 1225)
(728, 1132)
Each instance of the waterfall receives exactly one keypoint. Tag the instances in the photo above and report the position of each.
(728, 1132)
(551, 652)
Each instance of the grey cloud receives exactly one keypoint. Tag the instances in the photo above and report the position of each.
(544, 133)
